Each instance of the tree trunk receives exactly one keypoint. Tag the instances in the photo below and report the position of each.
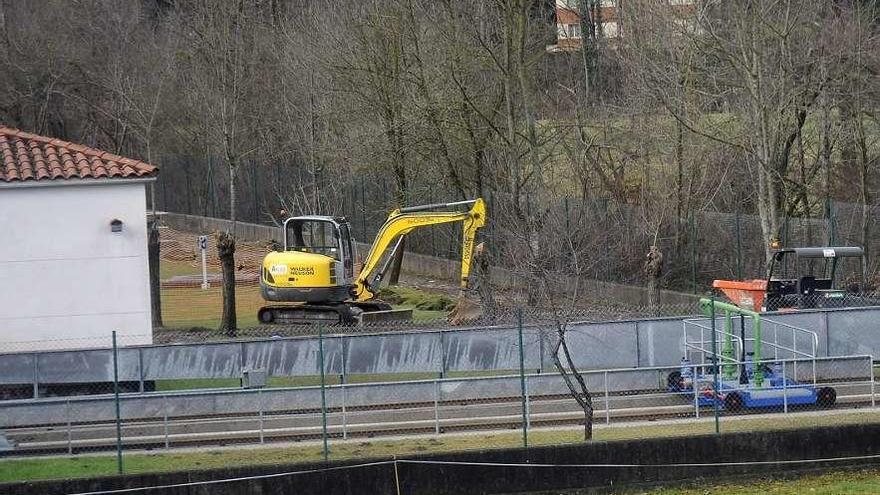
(653, 270)
(233, 196)
(484, 281)
(400, 182)
(580, 392)
(396, 263)
(153, 254)
(226, 251)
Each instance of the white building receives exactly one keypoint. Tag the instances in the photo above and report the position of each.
(73, 245)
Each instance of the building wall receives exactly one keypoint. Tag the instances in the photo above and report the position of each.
(64, 275)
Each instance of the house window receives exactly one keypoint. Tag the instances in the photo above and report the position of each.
(568, 30)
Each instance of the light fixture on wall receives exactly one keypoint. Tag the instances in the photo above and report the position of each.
(116, 225)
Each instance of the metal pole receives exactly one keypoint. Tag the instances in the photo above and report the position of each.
(693, 254)
(36, 375)
(203, 241)
(344, 420)
(522, 377)
(260, 400)
(442, 353)
(344, 377)
(607, 406)
(116, 396)
(739, 268)
(716, 389)
(69, 433)
(436, 407)
(140, 370)
(323, 392)
(528, 406)
(165, 420)
(541, 352)
(696, 392)
(363, 211)
(784, 392)
(871, 371)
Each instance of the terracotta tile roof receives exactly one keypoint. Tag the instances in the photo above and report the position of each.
(28, 157)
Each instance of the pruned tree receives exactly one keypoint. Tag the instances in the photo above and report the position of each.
(573, 378)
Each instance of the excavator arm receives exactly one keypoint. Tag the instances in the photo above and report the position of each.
(403, 221)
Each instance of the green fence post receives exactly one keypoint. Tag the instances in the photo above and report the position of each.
(116, 398)
(716, 389)
(739, 267)
(522, 377)
(323, 392)
(693, 252)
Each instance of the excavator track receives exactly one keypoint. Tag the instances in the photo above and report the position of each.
(318, 314)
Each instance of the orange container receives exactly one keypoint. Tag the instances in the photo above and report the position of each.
(747, 294)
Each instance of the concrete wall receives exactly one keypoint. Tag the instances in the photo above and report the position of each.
(616, 344)
(644, 462)
(64, 274)
(434, 267)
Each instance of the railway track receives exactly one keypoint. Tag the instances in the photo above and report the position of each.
(410, 419)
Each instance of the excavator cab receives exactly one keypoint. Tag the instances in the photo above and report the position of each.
(316, 264)
(327, 236)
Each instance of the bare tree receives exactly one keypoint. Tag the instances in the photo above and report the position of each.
(222, 83)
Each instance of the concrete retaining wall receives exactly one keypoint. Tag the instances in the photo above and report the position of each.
(623, 344)
(645, 463)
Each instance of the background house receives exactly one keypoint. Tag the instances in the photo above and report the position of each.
(73, 255)
(606, 15)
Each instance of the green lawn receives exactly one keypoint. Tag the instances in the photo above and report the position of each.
(865, 481)
(197, 307)
(172, 268)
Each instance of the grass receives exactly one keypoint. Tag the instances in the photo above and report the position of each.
(98, 465)
(172, 268)
(195, 307)
(416, 298)
(865, 481)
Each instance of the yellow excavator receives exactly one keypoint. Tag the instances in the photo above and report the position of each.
(313, 280)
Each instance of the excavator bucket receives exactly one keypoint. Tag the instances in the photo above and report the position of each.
(466, 310)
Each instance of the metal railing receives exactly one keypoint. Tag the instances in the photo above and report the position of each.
(206, 417)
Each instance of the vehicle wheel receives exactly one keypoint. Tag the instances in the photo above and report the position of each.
(674, 382)
(266, 316)
(733, 402)
(826, 397)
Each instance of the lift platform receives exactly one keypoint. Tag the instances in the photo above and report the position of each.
(736, 359)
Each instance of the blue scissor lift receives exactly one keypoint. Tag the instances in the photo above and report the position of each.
(732, 366)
